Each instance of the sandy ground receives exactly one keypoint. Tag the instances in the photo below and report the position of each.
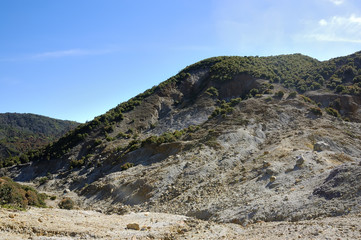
(48, 223)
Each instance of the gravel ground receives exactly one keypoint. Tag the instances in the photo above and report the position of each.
(48, 223)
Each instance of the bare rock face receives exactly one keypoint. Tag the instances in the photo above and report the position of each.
(341, 183)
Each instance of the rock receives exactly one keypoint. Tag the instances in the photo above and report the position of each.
(271, 171)
(272, 178)
(321, 146)
(266, 164)
(67, 190)
(299, 160)
(134, 226)
(11, 215)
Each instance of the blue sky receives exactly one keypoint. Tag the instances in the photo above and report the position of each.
(76, 59)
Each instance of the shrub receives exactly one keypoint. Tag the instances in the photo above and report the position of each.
(340, 88)
(123, 135)
(177, 134)
(357, 79)
(109, 139)
(108, 129)
(279, 94)
(332, 112)
(133, 145)
(168, 137)
(307, 99)
(235, 101)
(43, 180)
(126, 166)
(254, 92)
(66, 203)
(316, 110)
(97, 142)
(292, 94)
(77, 163)
(19, 196)
(212, 92)
(150, 140)
(315, 86)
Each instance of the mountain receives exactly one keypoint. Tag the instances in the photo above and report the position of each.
(20, 133)
(228, 139)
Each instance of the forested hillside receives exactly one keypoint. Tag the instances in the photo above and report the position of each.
(20, 133)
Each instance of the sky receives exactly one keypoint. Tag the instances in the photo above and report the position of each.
(76, 59)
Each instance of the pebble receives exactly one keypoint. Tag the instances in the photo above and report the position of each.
(272, 178)
(134, 226)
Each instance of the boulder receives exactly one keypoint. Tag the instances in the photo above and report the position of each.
(321, 146)
(299, 160)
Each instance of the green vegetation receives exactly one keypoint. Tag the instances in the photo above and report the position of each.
(126, 166)
(254, 92)
(225, 108)
(308, 100)
(212, 92)
(66, 203)
(295, 71)
(18, 196)
(316, 110)
(20, 133)
(279, 94)
(333, 112)
(292, 94)
(43, 180)
(167, 137)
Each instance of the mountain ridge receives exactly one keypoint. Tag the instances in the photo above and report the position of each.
(22, 132)
(294, 71)
(229, 139)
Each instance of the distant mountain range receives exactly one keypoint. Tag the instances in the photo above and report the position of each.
(20, 133)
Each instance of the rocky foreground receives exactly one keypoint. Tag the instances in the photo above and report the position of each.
(48, 223)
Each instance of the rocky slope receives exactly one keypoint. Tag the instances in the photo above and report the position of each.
(229, 139)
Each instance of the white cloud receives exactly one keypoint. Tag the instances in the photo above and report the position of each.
(60, 54)
(337, 29)
(322, 22)
(69, 53)
(337, 2)
(63, 53)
